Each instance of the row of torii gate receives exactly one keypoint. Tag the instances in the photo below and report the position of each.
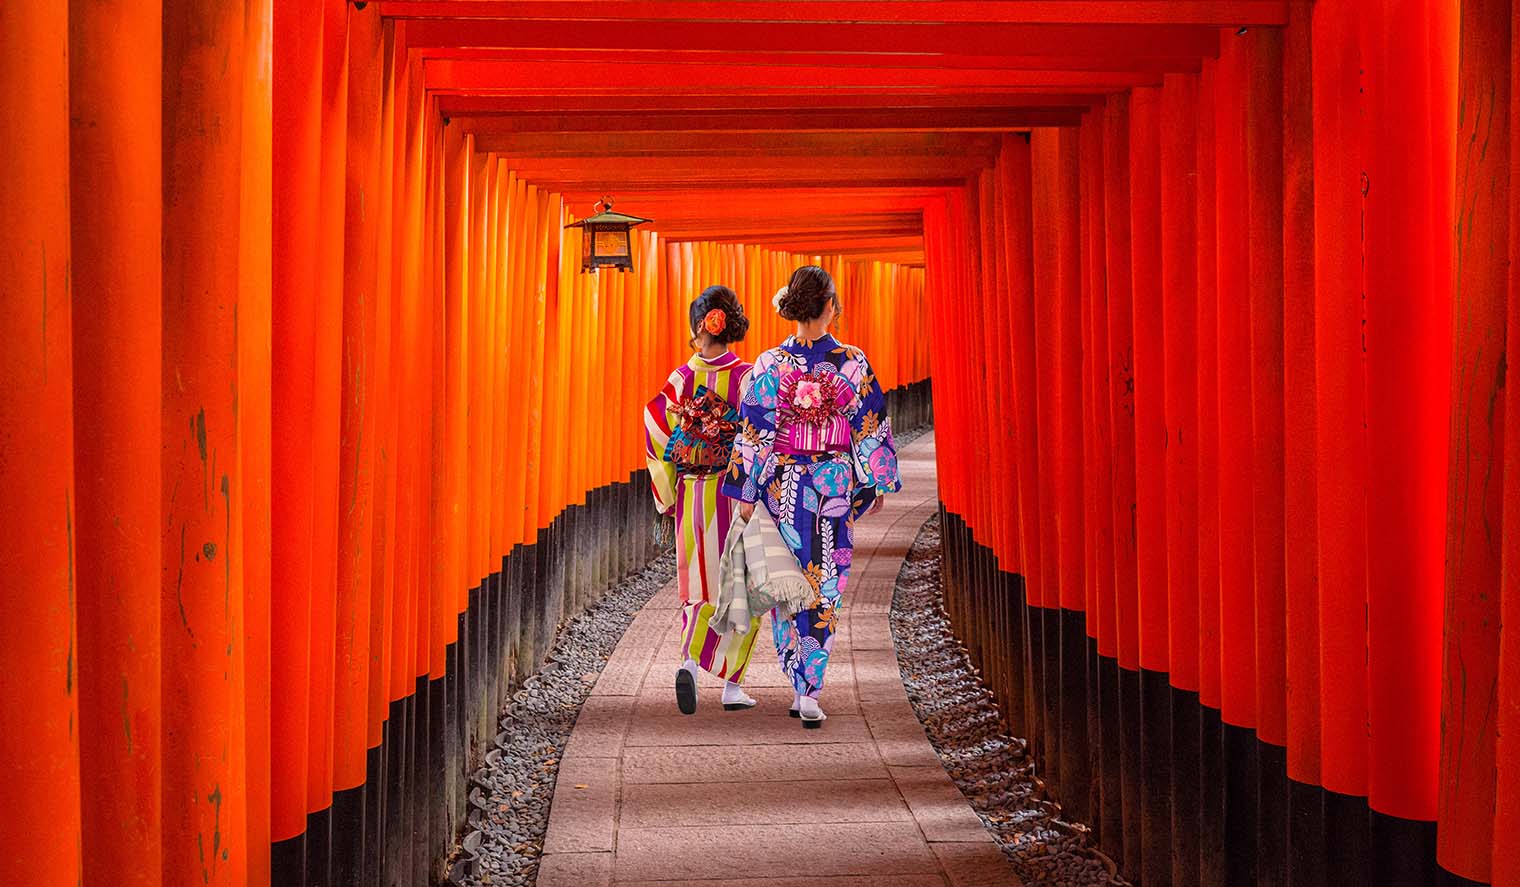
(311, 430)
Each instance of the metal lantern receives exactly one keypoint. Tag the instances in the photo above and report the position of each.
(606, 241)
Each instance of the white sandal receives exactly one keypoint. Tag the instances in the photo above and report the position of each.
(811, 720)
(740, 703)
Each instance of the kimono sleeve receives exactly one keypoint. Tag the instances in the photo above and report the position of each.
(871, 434)
(659, 419)
(752, 461)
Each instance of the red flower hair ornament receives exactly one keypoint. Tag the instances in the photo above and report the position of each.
(715, 321)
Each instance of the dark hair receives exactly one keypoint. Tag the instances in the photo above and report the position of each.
(723, 299)
(809, 290)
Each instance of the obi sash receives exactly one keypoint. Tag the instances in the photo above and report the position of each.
(810, 413)
(703, 436)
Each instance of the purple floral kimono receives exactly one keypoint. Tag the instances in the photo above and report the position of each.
(815, 441)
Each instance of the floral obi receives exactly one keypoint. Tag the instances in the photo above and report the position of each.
(703, 436)
(810, 413)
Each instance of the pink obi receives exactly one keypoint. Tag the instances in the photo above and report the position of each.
(810, 413)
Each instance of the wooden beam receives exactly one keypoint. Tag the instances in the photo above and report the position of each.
(486, 75)
(1176, 12)
(612, 101)
(989, 39)
(775, 144)
(489, 131)
(1136, 61)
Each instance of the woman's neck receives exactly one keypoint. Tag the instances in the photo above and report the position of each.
(713, 351)
(812, 331)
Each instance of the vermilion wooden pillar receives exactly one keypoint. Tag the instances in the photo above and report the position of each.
(1150, 483)
(1071, 517)
(1506, 853)
(1236, 542)
(202, 613)
(382, 569)
(115, 159)
(1015, 169)
(1306, 839)
(254, 322)
(1121, 405)
(1341, 443)
(1407, 283)
(355, 768)
(1264, 170)
(327, 300)
(1210, 736)
(1102, 620)
(296, 170)
(1475, 474)
(1179, 297)
(1047, 158)
(39, 755)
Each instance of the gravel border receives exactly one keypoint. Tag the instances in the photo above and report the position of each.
(510, 796)
(992, 769)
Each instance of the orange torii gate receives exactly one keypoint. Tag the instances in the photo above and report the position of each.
(300, 377)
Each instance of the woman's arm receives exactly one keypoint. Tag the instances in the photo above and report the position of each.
(753, 446)
(875, 451)
(659, 419)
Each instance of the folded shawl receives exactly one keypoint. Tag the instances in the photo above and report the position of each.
(757, 573)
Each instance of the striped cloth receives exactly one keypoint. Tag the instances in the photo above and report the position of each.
(758, 572)
(701, 511)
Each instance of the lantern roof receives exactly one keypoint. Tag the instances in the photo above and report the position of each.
(608, 217)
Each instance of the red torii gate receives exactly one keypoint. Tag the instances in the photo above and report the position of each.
(1239, 267)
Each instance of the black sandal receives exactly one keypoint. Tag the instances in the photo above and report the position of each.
(686, 692)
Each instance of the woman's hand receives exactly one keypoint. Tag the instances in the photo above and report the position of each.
(881, 499)
(746, 510)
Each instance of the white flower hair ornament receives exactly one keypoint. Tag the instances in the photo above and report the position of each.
(776, 299)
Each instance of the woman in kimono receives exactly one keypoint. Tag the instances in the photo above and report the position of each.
(815, 443)
(690, 427)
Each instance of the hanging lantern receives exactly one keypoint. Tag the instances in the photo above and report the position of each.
(606, 240)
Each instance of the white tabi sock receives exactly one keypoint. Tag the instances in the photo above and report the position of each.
(733, 694)
(808, 706)
(691, 666)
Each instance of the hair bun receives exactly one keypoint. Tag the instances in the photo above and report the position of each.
(806, 295)
(718, 313)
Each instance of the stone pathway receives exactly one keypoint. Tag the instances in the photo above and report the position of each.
(650, 798)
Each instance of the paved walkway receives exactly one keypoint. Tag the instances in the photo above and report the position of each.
(648, 797)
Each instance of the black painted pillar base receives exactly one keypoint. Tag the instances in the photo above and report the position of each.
(1306, 835)
(1403, 851)
(1186, 789)
(1075, 776)
(1034, 636)
(1110, 732)
(1094, 740)
(1347, 833)
(1241, 784)
(1211, 772)
(1131, 766)
(319, 848)
(1155, 779)
(1272, 815)
(348, 820)
(287, 862)
(419, 776)
(374, 816)
(1050, 629)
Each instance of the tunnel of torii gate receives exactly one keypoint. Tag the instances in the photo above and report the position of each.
(311, 431)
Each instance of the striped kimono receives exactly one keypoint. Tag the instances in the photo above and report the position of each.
(814, 444)
(689, 428)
